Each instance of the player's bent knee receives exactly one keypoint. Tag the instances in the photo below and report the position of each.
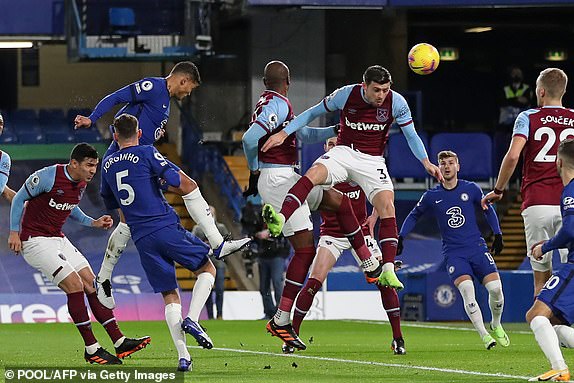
(72, 283)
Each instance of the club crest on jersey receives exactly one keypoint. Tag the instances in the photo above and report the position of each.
(464, 197)
(59, 192)
(382, 114)
(147, 85)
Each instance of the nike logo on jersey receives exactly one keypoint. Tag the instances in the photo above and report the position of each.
(438, 201)
(164, 106)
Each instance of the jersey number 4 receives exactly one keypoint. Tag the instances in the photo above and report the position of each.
(543, 155)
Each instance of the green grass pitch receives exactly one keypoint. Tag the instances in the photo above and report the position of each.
(340, 351)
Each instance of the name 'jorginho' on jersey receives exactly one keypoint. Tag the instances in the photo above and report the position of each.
(130, 183)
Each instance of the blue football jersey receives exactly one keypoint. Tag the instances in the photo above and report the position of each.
(564, 239)
(147, 99)
(130, 182)
(455, 212)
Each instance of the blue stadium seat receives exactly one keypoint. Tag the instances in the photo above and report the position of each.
(31, 137)
(401, 161)
(59, 137)
(50, 116)
(23, 115)
(87, 135)
(8, 137)
(474, 151)
(73, 112)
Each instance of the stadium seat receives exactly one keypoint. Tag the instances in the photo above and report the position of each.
(31, 137)
(401, 162)
(50, 116)
(8, 137)
(474, 151)
(73, 112)
(57, 137)
(87, 135)
(23, 115)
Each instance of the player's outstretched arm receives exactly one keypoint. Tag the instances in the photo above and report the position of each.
(299, 122)
(506, 170)
(564, 236)
(411, 220)
(122, 95)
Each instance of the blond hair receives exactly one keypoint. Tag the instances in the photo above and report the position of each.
(553, 81)
(447, 154)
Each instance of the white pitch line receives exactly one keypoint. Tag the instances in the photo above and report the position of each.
(365, 362)
(437, 326)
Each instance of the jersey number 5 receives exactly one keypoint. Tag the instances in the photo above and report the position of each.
(126, 187)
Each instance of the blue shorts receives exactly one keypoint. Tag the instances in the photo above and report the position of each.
(160, 250)
(558, 293)
(475, 262)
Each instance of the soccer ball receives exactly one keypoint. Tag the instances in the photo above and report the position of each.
(423, 59)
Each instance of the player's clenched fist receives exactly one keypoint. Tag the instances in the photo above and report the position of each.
(104, 222)
(82, 122)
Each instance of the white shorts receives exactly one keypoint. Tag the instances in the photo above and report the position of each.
(369, 172)
(273, 185)
(542, 222)
(337, 245)
(55, 257)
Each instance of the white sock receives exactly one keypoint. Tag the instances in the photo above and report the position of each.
(92, 348)
(372, 264)
(281, 318)
(565, 335)
(116, 245)
(173, 319)
(199, 295)
(495, 301)
(119, 342)
(471, 307)
(548, 342)
(199, 211)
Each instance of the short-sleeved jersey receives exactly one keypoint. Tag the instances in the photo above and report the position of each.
(365, 127)
(455, 212)
(5, 164)
(53, 196)
(543, 128)
(147, 99)
(273, 112)
(330, 224)
(567, 208)
(130, 182)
